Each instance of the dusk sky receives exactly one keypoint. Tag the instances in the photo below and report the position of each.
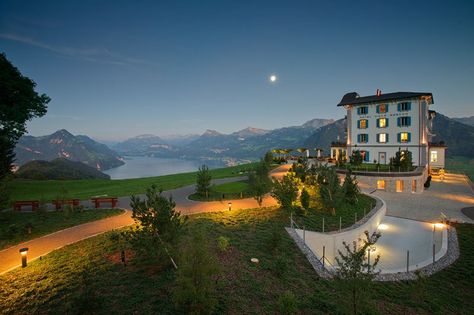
(116, 69)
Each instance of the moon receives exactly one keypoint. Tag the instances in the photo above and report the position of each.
(273, 78)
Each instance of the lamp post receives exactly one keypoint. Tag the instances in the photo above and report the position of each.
(230, 205)
(23, 253)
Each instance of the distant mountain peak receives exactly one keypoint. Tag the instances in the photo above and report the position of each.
(211, 133)
(62, 133)
(251, 131)
(317, 123)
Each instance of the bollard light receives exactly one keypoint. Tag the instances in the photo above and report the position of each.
(23, 253)
(230, 205)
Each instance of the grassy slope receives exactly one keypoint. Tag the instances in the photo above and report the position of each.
(84, 189)
(228, 190)
(461, 164)
(56, 283)
(13, 225)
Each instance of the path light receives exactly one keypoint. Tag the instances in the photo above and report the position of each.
(23, 253)
(383, 227)
(230, 205)
(438, 225)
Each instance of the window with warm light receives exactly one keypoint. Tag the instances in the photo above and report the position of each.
(399, 186)
(383, 137)
(434, 156)
(382, 123)
(404, 137)
(382, 108)
(363, 124)
(381, 184)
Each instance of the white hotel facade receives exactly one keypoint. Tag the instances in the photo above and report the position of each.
(382, 124)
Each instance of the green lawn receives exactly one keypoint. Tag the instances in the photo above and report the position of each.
(461, 164)
(15, 226)
(88, 276)
(227, 191)
(84, 189)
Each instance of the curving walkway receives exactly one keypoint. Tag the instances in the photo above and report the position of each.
(10, 257)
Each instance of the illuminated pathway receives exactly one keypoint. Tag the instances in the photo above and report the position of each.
(10, 257)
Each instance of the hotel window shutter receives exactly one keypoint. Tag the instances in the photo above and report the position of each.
(366, 138)
(399, 121)
(408, 105)
(386, 122)
(409, 136)
(399, 137)
(378, 137)
(367, 123)
(378, 109)
(378, 123)
(358, 110)
(386, 137)
(358, 138)
(358, 124)
(408, 121)
(399, 106)
(367, 156)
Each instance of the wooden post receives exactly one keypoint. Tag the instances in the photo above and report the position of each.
(368, 260)
(291, 220)
(340, 223)
(304, 235)
(323, 225)
(434, 248)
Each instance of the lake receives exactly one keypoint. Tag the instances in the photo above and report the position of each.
(142, 166)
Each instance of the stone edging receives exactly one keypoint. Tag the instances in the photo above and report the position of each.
(451, 256)
(313, 260)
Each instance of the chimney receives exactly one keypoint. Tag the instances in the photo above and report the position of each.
(379, 92)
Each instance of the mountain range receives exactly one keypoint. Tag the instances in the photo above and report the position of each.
(243, 145)
(62, 144)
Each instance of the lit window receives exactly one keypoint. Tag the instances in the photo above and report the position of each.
(399, 186)
(404, 137)
(363, 124)
(381, 184)
(382, 122)
(382, 108)
(382, 137)
(434, 157)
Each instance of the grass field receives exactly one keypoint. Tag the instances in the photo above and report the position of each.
(88, 276)
(461, 164)
(227, 191)
(84, 189)
(15, 226)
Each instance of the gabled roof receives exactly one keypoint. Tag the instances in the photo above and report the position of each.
(354, 99)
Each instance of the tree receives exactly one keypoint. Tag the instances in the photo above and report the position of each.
(195, 284)
(268, 158)
(19, 103)
(350, 188)
(328, 182)
(159, 222)
(356, 158)
(286, 190)
(402, 160)
(203, 181)
(355, 270)
(304, 199)
(260, 182)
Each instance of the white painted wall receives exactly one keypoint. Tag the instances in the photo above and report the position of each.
(418, 129)
(440, 163)
(333, 241)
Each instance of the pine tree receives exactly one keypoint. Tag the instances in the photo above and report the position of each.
(350, 188)
(203, 181)
(355, 271)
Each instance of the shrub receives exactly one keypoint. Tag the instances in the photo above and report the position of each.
(223, 243)
(304, 199)
(288, 303)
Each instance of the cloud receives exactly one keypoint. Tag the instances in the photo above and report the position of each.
(89, 54)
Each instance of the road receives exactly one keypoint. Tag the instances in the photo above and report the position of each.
(10, 257)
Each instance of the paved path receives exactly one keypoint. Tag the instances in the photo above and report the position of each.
(10, 257)
(446, 196)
